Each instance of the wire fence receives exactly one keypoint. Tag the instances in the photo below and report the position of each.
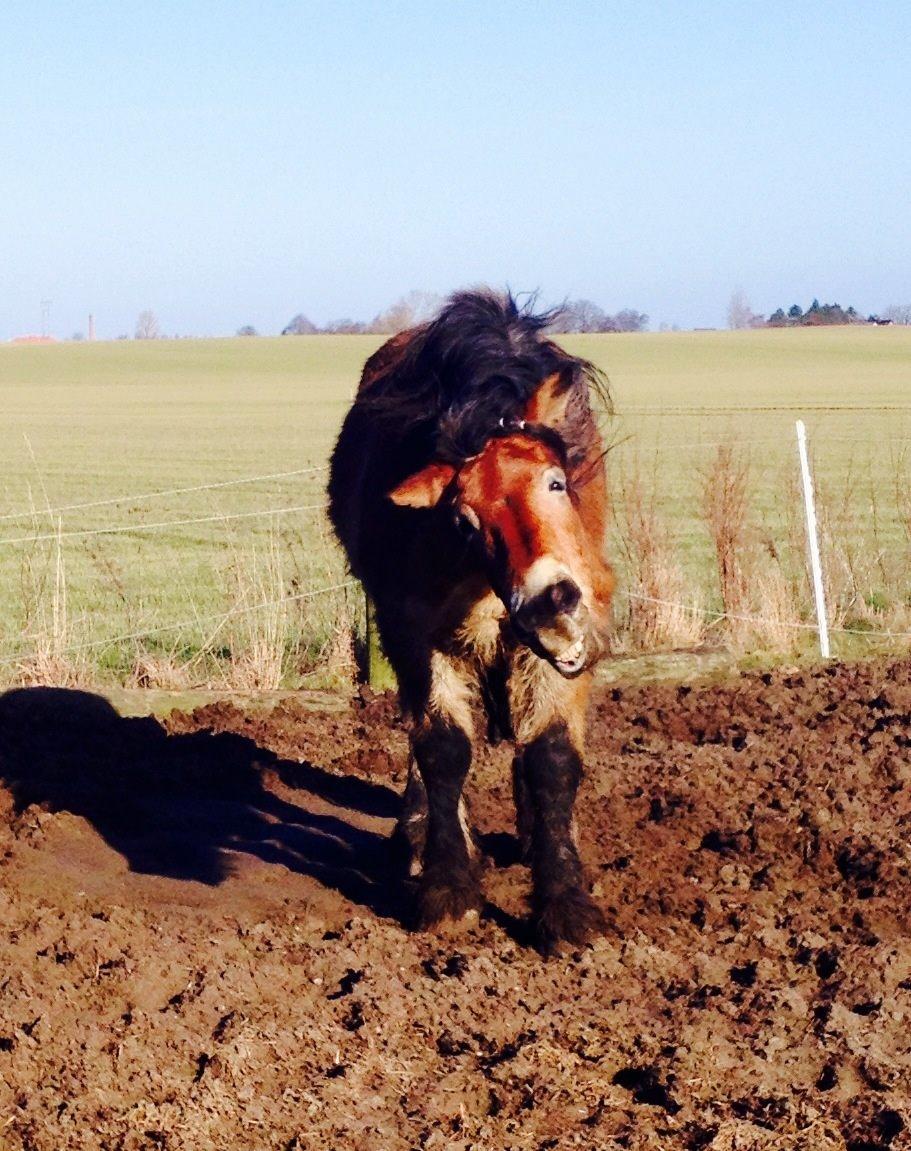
(120, 529)
(218, 620)
(717, 616)
(144, 497)
(39, 645)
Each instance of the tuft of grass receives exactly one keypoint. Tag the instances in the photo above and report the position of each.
(726, 482)
(51, 653)
(661, 609)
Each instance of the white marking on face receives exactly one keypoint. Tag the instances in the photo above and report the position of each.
(543, 573)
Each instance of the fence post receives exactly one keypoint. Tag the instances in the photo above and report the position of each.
(819, 594)
(380, 675)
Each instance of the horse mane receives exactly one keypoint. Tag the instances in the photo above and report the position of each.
(454, 383)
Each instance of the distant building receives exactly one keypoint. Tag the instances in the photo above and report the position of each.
(33, 340)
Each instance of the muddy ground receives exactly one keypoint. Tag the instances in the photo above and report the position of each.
(202, 940)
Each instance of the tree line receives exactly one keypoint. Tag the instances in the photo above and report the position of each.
(741, 315)
(815, 316)
(417, 307)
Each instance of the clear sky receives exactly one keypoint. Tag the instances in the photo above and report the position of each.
(233, 163)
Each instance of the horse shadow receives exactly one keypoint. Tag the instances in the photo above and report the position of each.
(182, 806)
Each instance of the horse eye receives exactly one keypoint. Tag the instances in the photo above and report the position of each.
(557, 484)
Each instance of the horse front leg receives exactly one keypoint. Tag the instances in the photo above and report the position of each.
(411, 830)
(450, 876)
(547, 773)
(441, 750)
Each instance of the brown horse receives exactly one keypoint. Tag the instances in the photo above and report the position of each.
(467, 488)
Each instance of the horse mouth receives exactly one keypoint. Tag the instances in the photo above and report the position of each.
(570, 654)
(572, 660)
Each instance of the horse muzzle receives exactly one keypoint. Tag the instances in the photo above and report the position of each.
(556, 624)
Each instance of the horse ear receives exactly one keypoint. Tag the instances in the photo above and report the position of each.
(548, 402)
(424, 488)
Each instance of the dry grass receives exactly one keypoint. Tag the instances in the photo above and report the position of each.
(53, 655)
(662, 609)
(724, 499)
(760, 592)
(774, 622)
(271, 633)
(255, 632)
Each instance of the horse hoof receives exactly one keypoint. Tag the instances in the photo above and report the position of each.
(437, 902)
(570, 920)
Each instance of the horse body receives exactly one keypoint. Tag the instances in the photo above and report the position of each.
(468, 491)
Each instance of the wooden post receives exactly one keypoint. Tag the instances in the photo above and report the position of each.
(380, 675)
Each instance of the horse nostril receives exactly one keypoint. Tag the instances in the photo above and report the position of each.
(557, 599)
(564, 596)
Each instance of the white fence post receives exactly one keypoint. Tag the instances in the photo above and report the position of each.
(813, 537)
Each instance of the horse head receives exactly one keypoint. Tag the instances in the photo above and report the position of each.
(534, 527)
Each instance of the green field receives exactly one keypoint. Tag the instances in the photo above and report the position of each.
(92, 422)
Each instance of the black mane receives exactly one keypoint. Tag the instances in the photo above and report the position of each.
(472, 370)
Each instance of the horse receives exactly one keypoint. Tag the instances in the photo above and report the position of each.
(468, 490)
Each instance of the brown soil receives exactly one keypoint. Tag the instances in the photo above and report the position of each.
(202, 940)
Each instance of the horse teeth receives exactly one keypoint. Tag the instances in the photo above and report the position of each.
(572, 653)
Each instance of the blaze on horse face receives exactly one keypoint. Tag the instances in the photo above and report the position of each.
(515, 504)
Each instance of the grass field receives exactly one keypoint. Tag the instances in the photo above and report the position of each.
(89, 422)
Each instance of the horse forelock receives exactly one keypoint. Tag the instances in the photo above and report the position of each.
(454, 447)
(455, 381)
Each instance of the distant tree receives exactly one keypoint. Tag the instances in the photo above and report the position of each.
(898, 313)
(344, 327)
(629, 320)
(740, 314)
(412, 309)
(778, 319)
(587, 316)
(247, 330)
(147, 326)
(300, 326)
(580, 316)
(795, 312)
(77, 336)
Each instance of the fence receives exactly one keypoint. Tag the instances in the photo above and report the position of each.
(631, 594)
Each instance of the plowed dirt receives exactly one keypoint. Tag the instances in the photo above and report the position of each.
(203, 940)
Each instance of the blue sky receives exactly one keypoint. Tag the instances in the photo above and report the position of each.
(235, 163)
